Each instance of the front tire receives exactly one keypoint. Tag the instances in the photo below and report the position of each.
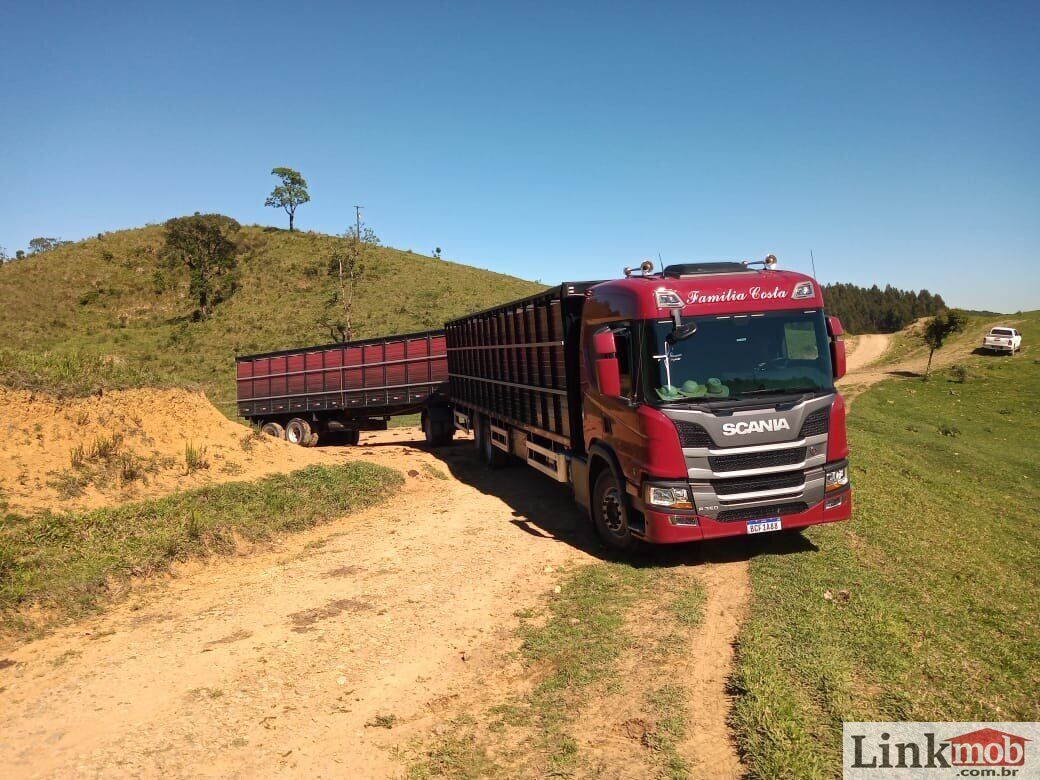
(298, 431)
(610, 513)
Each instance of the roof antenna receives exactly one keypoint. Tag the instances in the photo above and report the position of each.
(813, 259)
(660, 262)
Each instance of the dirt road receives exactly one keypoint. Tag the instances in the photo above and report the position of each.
(869, 347)
(287, 662)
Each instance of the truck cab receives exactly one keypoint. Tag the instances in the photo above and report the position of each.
(708, 405)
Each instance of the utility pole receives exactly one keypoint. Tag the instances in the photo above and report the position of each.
(357, 217)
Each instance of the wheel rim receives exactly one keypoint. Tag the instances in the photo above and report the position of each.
(293, 434)
(612, 512)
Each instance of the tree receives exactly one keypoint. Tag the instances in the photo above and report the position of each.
(347, 265)
(4, 257)
(43, 244)
(288, 195)
(938, 329)
(205, 244)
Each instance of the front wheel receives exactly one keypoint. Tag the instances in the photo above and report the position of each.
(610, 513)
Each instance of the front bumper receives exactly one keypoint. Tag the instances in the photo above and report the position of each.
(660, 527)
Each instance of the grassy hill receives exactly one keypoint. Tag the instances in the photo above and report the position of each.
(925, 605)
(111, 297)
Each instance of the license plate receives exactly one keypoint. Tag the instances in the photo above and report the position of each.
(761, 526)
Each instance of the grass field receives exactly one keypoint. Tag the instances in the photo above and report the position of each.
(112, 296)
(580, 647)
(934, 601)
(67, 563)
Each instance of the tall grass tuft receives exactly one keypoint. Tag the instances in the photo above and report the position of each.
(195, 458)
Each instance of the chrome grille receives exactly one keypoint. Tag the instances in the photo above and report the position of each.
(756, 460)
(728, 487)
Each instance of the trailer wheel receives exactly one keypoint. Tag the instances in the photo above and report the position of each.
(610, 513)
(491, 455)
(351, 438)
(273, 429)
(298, 431)
(437, 434)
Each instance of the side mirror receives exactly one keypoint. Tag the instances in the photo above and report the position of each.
(836, 332)
(608, 375)
(681, 333)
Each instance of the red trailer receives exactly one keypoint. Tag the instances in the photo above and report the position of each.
(305, 394)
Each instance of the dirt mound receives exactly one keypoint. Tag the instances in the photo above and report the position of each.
(81, 453)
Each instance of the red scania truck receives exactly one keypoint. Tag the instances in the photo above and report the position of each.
(689, 404)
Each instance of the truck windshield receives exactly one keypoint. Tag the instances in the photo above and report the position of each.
(740, 356)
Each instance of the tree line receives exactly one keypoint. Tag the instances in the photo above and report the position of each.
(873, 310)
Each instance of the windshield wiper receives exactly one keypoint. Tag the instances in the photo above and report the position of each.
(778, 391)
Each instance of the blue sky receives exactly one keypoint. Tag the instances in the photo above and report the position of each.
(898, 141)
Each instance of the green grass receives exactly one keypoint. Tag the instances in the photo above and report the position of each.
(66, 563)
(940, 564)
(576, 648)
(69, 373)
(104, 304)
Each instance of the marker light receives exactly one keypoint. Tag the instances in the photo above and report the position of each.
(668, 299)
(802, 290)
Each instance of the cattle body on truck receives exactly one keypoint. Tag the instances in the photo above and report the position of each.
(694, 403)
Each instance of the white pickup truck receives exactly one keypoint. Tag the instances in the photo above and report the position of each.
(1001, 339)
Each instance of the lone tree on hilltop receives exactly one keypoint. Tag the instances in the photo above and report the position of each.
(938, 329)
(43, 244)
(206, 245)
(288, 195)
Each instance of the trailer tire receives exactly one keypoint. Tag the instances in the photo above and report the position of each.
(610, 513)
(490, 455)
(298, 431)
(272, 428)
(437, 433)
(351, 438)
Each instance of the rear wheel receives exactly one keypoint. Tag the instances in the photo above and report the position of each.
(273, 429)
(437, 433)
(351, 438)
(492, 456)
(298, 431)
(610, 513)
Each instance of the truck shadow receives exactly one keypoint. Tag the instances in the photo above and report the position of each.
(546, 510)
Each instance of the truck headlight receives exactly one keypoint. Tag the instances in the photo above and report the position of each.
(671, 497)
(837, 478)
